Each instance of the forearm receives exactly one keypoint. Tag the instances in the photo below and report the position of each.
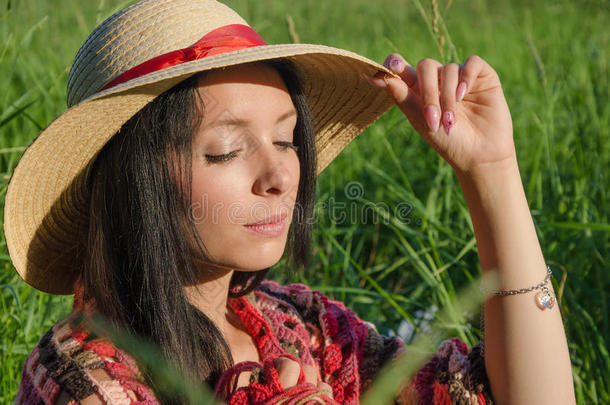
(526, 353)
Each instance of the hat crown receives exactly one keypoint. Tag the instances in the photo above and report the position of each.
(47, 201)
(138, 33)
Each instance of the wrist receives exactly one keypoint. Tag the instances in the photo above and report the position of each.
(486, 175)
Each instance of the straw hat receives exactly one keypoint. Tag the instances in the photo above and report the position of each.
(119, 69)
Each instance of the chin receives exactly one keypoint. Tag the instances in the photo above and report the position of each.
(258, 260)
(244, 251)
(249, 255)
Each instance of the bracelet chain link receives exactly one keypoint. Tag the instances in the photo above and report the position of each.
(544, 295)
(522, 290)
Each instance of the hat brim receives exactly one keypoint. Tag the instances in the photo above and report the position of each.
(46, 205)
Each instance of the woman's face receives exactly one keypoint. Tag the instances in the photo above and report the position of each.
(245, 170)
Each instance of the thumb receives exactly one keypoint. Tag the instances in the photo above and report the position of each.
(398, 89)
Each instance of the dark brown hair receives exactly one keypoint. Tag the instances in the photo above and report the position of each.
(137, 254)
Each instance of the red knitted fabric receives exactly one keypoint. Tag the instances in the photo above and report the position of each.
(292, 321)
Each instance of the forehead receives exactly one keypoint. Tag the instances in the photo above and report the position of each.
(245, 93)
(245, 73)
(219, 84)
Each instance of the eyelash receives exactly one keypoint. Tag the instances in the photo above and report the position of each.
(228, 156)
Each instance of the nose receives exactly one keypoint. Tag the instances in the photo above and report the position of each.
(274, 175)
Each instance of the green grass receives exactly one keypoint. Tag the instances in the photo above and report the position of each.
(552, 58)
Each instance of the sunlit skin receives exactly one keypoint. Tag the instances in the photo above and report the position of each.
(244, 167)
(460, 110)
(470, 126)
(526, 353)
(244, 170)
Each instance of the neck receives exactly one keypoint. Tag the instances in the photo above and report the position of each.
(210, 297)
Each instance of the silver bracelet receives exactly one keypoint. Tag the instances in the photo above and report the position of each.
(544, 300)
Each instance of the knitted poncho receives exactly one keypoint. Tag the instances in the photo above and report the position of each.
(292, 321)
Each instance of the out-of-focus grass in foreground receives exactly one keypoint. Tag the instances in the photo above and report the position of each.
(392, 226)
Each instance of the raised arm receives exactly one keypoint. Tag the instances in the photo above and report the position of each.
(460, 110)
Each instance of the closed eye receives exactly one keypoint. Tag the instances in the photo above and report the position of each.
(221, 158)
(288, 145)
(233, 154)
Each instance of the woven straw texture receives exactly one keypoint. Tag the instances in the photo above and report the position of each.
(46, 206)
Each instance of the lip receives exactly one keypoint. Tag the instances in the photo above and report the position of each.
(272, 226)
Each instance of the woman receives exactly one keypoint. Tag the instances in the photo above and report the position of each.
(187, 162)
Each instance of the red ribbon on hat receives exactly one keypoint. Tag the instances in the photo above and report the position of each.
(223, 39)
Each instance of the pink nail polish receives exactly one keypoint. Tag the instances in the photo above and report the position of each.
(395, 65)
(460, 92)
(448, 121)
(432, 117)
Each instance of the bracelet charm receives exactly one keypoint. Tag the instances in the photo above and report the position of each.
(544, 299)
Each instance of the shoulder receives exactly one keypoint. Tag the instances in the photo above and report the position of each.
(349, 346)
(298, 295)
(342, 342)
(69, 366)
(310, 303)
(285, 291)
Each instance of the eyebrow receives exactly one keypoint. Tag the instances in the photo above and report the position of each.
(234, 121)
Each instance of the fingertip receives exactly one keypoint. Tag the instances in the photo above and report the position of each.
(461, 91)
(394, 55)
(448, 121)
(432, 116)
(397, 88)
(388, 59)
(397, 66)
(376, 81)
(396, 63)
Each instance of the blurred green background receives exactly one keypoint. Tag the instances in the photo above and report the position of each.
(411, 247)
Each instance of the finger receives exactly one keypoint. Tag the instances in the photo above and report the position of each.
(311, 375)
(474, 66)
(397, 64)
(378, 80)
(323, 387)
(405, 98)
(427, 78)
(288, 371)
(449, 81)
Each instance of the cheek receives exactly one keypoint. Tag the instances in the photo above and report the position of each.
(226, 192)
(296, 169)
(215, 198)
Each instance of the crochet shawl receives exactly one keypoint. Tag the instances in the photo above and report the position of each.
(292, 321)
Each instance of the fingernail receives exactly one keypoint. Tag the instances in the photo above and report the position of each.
(448, 121)
(388, 60)
(432, 117)
(460, 92)
(396, 65)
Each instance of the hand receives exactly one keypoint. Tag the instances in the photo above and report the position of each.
(289, 375)
(460, 110)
